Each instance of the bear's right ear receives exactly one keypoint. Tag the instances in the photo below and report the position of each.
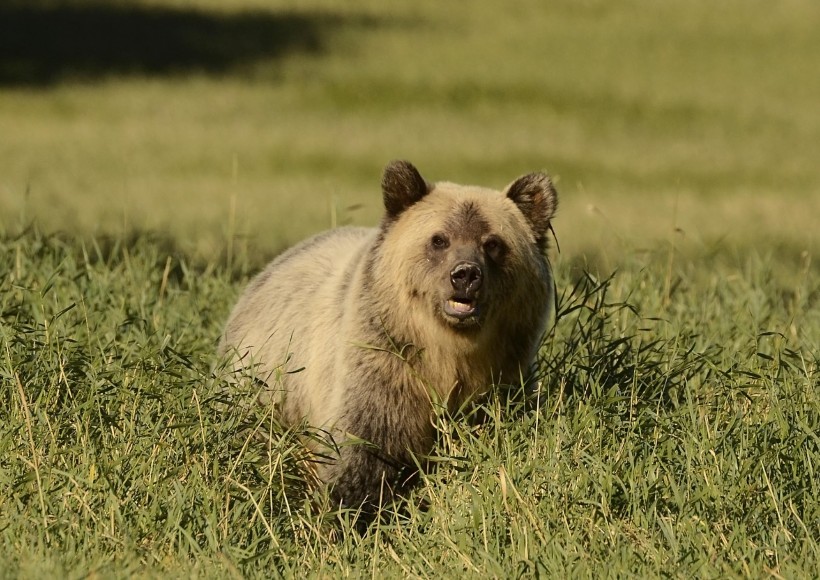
(402, 186)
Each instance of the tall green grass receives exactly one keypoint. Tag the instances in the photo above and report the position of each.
(674, 432)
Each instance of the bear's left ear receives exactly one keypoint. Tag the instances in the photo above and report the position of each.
(537, 199)
(402, 186)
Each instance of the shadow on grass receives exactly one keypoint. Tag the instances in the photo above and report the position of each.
(43, 43)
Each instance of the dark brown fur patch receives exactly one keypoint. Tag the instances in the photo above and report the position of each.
(467, 222)
(377, 413)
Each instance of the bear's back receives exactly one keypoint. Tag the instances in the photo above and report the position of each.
(289, 315)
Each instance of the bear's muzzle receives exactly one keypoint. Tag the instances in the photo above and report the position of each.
(466, 278)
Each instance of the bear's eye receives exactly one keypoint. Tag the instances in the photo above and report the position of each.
(439, 242)
(494, 248)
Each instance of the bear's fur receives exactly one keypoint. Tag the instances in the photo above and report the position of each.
(451, 294)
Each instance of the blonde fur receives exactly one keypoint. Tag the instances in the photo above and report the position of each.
(360, 311)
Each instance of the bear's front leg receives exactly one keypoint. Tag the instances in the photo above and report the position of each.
(385, 431)
(365, 477)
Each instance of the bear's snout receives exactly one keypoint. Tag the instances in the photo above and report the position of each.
(466, 278)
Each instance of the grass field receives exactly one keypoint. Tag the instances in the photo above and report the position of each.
(678, 438)
(155, 153)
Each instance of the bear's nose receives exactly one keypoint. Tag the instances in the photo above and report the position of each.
(466, 278)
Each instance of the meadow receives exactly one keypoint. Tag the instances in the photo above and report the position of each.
(154, 154)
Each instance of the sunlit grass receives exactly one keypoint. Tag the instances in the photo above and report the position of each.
(673, 432)
(675, 428)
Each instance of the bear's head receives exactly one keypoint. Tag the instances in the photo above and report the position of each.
(465, 256)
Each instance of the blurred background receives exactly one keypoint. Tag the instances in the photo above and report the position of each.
(253, 123)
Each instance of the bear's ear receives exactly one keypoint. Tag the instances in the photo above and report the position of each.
(537, 199)
(402, 186)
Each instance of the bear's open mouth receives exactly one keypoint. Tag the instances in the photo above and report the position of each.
(460, 308)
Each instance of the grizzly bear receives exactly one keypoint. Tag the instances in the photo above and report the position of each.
(364, 332)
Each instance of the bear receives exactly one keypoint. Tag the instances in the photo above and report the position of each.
(364, 333)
